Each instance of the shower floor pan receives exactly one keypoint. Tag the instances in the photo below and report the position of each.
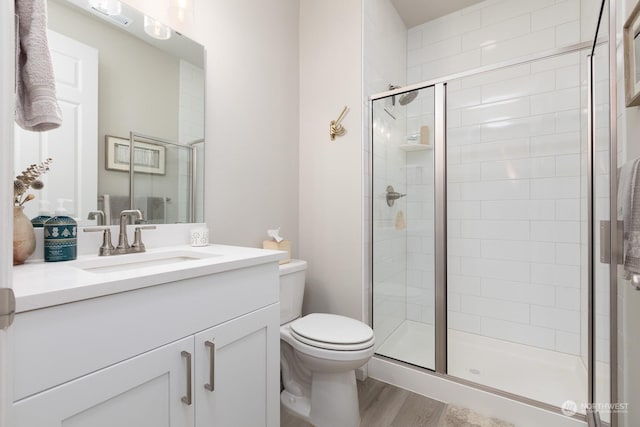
(544, 375)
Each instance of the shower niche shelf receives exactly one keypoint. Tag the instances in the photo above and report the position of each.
(415, 147)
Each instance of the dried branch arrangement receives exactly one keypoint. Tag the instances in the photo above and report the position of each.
(29, 179)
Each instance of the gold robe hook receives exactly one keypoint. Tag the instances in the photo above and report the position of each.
(335, 128)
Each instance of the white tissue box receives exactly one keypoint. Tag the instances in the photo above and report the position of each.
(284, 245)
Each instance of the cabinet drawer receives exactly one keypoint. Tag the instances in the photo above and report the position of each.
(57, 344)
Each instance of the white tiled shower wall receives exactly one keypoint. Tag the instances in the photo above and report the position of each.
(514, 158)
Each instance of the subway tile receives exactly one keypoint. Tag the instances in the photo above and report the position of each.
(555, 188)
(506, 249)
(449, 26)
(466, 285)
(510, 9)
(518, 209)
(568, 121)
(544, 295)
(555, 144)
(504, 230)
(568, 210)
(501, 150)
(466, 172)
(501, 110)
(555, 15)
(567, 253)
(543, 252)
(496, 76)
(506, 169)
(556, 62)
(564, 320)
(522, 86)
(464, 247)
(451, 64)
(519, 46)
(464, 98)
(464, 322)
(441, 49)
(464, 209)
(490, 34)
(555, 231)
(505, 290)
(558, 100)
(557, 275)
(518, 128)
(463, 135)
(568, 77)
(496, 309)
(542, 167)
(568, 165)
(568, 33)
(516, 332)
(568, 298)
(493, 269)
(567, 342)
(495, 190)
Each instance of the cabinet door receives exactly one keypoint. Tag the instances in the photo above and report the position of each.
(238, 372)
(144, 391)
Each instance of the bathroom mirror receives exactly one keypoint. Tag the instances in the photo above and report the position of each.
(631, 36)
(119, 71)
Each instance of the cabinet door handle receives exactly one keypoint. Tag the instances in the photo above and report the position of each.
(212, 365)
(187, 399)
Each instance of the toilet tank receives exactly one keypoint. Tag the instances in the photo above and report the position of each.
(292, 279)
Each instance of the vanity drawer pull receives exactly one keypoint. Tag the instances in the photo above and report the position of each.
(187, 399)
(212, 365)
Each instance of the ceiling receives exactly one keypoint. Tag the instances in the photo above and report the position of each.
(415, 12)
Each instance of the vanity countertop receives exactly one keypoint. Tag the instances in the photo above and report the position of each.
(43, 284)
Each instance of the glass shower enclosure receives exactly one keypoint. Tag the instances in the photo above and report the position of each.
(487, 188)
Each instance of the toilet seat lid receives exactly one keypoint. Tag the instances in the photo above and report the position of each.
(333, 330)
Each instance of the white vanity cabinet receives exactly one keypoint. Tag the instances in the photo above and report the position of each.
(142, 358)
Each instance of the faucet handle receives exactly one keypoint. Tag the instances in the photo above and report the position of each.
(137, 237)
(107, 247)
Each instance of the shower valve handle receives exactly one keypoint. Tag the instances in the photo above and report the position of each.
(393, 195)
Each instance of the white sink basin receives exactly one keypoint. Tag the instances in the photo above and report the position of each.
(115, 263)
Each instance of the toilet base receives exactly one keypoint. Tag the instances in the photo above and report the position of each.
(334, 401)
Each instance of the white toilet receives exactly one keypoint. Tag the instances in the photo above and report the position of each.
(319, 354)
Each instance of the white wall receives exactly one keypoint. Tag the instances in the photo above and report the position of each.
(331, 215)
(251, 122)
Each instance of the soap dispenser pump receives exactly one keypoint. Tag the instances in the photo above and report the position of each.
(44, 214)
(60, 235)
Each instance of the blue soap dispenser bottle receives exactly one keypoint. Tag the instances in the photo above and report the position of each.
(44, 214)
(60, 235)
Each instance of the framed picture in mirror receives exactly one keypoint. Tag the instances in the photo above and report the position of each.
(631, 38)
(148, 158)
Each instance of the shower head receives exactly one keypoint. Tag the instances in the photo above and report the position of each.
(403, 99)
(407, 98)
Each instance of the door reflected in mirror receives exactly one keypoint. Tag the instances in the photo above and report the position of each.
(113, 78)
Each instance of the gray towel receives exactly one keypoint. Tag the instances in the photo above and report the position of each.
(629, 211)
(37, 108)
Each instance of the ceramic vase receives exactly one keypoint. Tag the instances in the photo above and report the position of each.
(24, 238)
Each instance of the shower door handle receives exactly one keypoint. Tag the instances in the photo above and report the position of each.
(605, 242)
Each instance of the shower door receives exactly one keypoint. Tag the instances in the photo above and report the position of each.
(403, 226)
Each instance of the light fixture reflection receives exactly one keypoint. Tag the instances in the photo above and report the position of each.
(108, 7)
(156, 29)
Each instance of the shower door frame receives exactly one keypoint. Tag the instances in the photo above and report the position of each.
(440, 213)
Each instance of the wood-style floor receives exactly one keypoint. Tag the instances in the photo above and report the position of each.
(384, 405)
